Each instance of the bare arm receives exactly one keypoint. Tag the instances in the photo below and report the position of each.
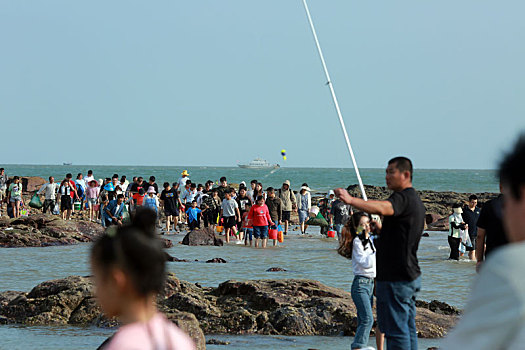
(384, 208)
(480, 247)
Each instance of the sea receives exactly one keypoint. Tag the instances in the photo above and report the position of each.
(309, 256)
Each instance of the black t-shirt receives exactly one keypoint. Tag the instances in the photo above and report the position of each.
(399, 240)
(170, 199)
(491, 220)
(222, 190)
(471, 219)
(154, 185)
(341, 212)
(136, 187)
(242, 201)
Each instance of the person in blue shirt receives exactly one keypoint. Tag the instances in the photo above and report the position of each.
(114, 211)
(193, 215)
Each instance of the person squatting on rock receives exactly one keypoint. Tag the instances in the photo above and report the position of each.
(357, 244)
(494, 317)
(398, 272)
(128, 265)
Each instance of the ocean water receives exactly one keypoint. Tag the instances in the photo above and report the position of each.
(318, 179)
(310, 257)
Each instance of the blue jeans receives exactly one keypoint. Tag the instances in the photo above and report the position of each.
(396, 313)
(363, 297)
(260, 232)
(339, 230)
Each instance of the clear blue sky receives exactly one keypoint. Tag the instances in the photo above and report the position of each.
(215, 82)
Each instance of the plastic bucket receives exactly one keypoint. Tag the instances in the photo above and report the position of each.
(331, 234)
(220, 229)
(272, 233)
(77, 205)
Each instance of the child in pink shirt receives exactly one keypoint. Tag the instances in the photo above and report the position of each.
(260, 217)
(128, 264)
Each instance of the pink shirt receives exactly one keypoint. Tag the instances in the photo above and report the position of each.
(157, 333)
(92, 192)
(259, 215)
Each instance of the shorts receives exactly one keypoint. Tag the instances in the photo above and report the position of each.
(65, 203)
(15, 199)
(2, 193)
(260, 232)
(286, 215)
(248, 232)
(171, 212)
(473, 241)
(229, 221)
(92, 201)
(303, 215)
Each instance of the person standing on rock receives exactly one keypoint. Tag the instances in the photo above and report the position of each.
(14, 196)
(129, 269)
(398, 272)
(66, 205)
(289, 204)
(470, 216)
(494, 317)
(50, 191)
(3, 187)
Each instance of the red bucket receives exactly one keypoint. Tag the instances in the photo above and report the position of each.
(272, 233)
(331, 234)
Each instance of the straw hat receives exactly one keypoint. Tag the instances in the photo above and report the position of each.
(185, 173)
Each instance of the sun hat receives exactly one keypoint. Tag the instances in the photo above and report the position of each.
(331, 192)
(185, 173)
(306, 188)
(151, 189)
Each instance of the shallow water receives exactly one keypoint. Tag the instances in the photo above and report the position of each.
(308, 256)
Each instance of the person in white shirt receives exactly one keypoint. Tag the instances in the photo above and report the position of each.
(50, 191)
(183, 179)
(494, 317)
(358, 245)
(88, 178)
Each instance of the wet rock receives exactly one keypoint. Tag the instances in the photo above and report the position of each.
(285, 307)
(275, 269)
(166, 243)
(425, 234)
(217, 342)
(205, 236)
(174, 259)
(430, 218)
(46, 230)
(216, 261)
(440, 225)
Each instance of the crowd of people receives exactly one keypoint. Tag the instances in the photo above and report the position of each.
(244, 213)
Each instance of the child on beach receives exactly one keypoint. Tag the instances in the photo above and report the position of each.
(151, 201)
(128, 265)
(260, 217)
(92, 192)
(230, 214)
(193, 215)
(358, 246)
(138, 198)
(247, 226)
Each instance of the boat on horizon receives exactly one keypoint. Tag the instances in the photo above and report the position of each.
(259, 163)
(67, 163)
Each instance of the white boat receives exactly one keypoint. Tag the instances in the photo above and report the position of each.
(259, 163)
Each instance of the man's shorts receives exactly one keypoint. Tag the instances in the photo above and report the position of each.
(473, 241)
(229, 221)
(171, 212)
(260, 232)
(286, 215)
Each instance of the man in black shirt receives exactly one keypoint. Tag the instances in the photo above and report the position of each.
(470, 216)
(491, 233)
(170, 200)
(398, 273)
(223, 188)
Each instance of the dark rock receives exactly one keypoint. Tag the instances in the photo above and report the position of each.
(166, 243)
(430, 218)
(285, 307)
(217, 261)
(425, 234)
(46, 230)
(217, 342)
(205, 236)
(440, 225)
(275, 269)
(174, 259)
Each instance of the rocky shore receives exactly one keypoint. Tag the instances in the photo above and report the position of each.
(283, 307)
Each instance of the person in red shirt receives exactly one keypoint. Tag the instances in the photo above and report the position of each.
(260, 217)
(247, 226)
(73, 194)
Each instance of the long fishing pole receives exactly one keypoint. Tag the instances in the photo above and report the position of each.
(334, 98)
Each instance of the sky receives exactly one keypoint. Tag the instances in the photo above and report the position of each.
(220, 82)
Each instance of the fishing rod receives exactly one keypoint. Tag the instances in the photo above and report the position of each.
(334, 98)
